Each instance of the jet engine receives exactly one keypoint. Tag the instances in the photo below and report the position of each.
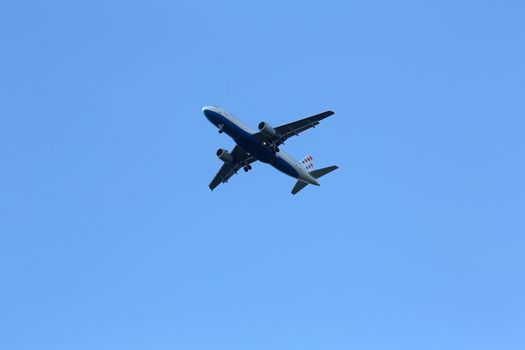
(267, 130)
(224, 155)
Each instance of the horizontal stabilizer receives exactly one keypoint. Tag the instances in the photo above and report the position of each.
(321, 172)
(298, 186)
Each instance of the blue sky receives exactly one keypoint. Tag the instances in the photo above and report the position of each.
(111, 239)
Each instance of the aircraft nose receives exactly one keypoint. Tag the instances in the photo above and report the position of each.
(206, 111)
(209, 113)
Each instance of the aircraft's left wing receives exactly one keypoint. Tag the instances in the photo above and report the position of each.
(227, 170)
(293, 129)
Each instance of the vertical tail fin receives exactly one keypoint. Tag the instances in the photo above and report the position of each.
(308, 162)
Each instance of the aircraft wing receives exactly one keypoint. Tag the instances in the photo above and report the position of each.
(293, 129)
(227, 170)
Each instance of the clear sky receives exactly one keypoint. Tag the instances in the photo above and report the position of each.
(111, 239)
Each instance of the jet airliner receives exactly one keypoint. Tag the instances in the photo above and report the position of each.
(263, 145)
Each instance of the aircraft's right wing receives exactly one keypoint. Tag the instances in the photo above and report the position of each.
(293, 129)
(227, 170)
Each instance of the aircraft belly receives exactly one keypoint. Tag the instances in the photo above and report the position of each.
(252, 146)
(257, 150)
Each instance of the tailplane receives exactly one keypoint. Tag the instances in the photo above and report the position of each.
(322, 172)
(315, 174)
(298, 186)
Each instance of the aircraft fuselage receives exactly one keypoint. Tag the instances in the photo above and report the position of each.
(244, 137)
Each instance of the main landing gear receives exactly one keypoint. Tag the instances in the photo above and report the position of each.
(272, 147)
(247, 167)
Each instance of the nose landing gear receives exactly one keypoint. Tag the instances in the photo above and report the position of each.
(247, 167)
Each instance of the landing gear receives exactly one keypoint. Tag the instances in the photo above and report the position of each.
(272, 147)
(247, 168)
(221, 128)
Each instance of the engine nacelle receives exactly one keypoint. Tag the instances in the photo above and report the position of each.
(224, 155)
(267, 130)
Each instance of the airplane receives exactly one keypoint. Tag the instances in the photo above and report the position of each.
(263, 145)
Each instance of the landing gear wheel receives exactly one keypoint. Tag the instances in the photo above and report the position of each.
(246, 169)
